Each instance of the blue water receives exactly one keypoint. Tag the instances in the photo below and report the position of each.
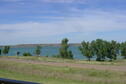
(49, 51)
(46, 51)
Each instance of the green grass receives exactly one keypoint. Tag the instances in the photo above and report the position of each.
(61, 60)
(58, 75)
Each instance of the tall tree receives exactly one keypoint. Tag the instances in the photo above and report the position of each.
(6, 50)
(0, 51)
(38, 50)
(105, 49)
(123, 49)
(64, 51)
(87, 50)
(114, 49)
(99, 49)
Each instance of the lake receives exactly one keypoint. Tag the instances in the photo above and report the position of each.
(46, 51)
(49, 51)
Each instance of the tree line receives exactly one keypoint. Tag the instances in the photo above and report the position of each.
(6, 50)
(100, 49)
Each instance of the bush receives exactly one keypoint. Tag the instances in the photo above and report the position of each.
(56, 56)
(27, 54)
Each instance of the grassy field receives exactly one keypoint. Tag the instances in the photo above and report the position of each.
(60, 60)
(60, 74)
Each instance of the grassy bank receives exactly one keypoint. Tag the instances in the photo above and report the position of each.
(59, 75)
(61, 60)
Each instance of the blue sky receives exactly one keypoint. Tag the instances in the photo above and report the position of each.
(49, 21)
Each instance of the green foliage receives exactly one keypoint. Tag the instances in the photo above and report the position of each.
(56, 56)
(0, 51)
(123, 49)
(86, 49)
(38, 50)
(6, 50)
(17, 53)
(70, 54)
(101, 49)
(64, 52)
(27, 54)
(114, 49)
(108, 49)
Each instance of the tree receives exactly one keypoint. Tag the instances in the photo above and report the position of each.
(108, 50)
(17, 53)
(27, 54)
(114, 49)
(6, 50)
(0, 51)
(99, 49)
(64, 52)
(38, 50)
(105, 49)
(123, 49)
(86, 50)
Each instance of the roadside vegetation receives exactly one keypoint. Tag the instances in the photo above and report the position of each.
(27, 54)
(21, 68)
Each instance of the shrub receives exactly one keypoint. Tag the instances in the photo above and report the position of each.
(27, 54)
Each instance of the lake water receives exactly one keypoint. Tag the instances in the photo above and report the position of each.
(46, 51)
(49, 51)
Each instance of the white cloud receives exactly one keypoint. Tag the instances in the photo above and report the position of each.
(98, 21)
(91, 22)
(11, 0)
(64, 1)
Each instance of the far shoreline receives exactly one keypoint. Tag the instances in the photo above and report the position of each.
(34, 45)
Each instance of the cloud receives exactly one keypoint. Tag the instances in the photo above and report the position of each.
(90, 22)
(50, 1)
(65, 1)
(11, 0)
(54, 20)
(87, 25)
(91, 2)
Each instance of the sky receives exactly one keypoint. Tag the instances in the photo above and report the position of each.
(49, 21)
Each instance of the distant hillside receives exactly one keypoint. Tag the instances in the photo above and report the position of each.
(34, 45)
